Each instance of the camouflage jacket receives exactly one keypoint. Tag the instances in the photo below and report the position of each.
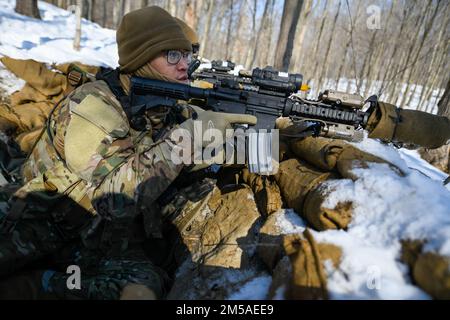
(90, 158)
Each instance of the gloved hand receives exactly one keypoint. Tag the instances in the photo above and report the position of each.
(214, 120)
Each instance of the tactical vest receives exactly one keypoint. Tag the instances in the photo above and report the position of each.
(60, 190)
(46, 169)
(53, 184)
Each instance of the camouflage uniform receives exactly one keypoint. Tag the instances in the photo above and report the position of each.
(89, 199)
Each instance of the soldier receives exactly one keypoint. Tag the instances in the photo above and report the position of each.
(91, 180)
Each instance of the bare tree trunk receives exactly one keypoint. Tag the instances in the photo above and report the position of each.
(253, 37)
(176, 6)
(342, 64)
(261, 27)
(375, 66)
(395, 92)
(396, 88)
(434, 83)
(419, 70)
(315, 51)
(97, 14)
(77, 38)
(291, 13)
(426, 31)
(265, 59)
(117, 13)
(189, 14)
(237, 40)
(28, 8)
(300, 38)
(126, 6)
(180, 8)
(365, 69)
(87, 9)
(172, 7)
(229, 33)
(430, 106)
(108, 17)
(325, 65)
(198, 13)
(433, 59)
(440, 157)
(353, 23)
(413, 92)
(435, 77)
(211, 5)
(216, 48)
(444, 102)
(407, 10)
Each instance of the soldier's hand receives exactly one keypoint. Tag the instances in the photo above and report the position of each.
(198, 126)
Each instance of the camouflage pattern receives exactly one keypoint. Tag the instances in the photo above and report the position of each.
(106, 208)
(106, 277)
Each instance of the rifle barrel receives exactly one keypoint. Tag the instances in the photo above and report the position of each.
(143, 86)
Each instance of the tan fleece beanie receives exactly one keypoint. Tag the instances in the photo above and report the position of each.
(144, 33)
(188, 31)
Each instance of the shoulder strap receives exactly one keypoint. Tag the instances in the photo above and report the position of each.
(111, 77)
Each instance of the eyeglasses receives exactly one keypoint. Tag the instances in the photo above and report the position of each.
(174, 56)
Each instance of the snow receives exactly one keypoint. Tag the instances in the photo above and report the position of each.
(279, 293)
(415, 162)
(289, 221)
(51, 39)
(255, 289)
(9, 82)
(387, 207)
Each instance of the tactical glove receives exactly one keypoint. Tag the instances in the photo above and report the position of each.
(390, 123)
(214, 120)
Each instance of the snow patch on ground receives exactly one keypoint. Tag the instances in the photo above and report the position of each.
(415, 162)
(51, 39)
(9, 82)
(289, 221)
(387, 208)
(255, 289)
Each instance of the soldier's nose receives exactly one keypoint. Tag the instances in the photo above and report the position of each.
(182, 65)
